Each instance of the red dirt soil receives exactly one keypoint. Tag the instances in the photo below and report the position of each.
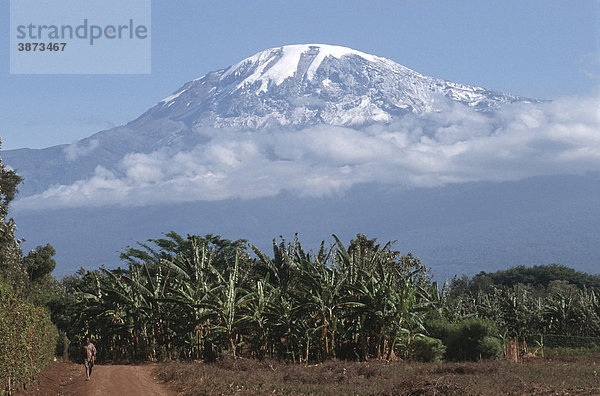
(121, 380)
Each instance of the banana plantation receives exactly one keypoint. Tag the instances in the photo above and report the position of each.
(204, 297)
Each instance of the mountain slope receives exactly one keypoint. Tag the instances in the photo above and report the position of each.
(456, 229)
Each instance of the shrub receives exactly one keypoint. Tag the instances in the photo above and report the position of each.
(428, 349)
(470, 339)
(490, 348)
(27, 340)
(441, 329)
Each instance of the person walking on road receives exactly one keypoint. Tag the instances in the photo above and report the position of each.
(89, 358)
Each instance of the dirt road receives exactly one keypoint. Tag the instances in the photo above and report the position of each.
(119, 380)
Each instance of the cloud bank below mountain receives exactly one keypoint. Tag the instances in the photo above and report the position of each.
(455, 145)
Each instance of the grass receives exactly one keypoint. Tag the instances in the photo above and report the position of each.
(564, 351)
(554, 376)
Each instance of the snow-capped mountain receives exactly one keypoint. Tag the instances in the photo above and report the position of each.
(318, 139)
(286, 87)
(313, 84)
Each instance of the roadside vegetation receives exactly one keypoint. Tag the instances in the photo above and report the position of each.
(27, 335)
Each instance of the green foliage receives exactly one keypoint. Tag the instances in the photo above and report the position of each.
(428, 349)
(571, 351)
(490, 348)
(64, 311)
(39, 262)
(27, 339)
(9, 180)
(441, 329)
(27, 335)
(199, 297)
(544, 306)
(538, 275)
(11, 265)
(470, 339)
(203, 297)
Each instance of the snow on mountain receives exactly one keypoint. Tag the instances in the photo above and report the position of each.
(315, 84)
(277, 64)
(295, 86)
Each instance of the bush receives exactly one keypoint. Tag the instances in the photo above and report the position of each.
(470, 339)
(490, 348)
(473, 340)
(428, 349)
(441, 329)
(27, 340)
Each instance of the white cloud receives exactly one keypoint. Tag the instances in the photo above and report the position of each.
(452, 146)
(78, 149)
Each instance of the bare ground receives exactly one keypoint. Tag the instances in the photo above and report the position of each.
(120, 380)
(556, 376)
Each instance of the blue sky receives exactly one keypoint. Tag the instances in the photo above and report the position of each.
(543, 49)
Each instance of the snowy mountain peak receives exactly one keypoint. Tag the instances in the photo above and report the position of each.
(310, 84)
(277, 64)
(280, 90)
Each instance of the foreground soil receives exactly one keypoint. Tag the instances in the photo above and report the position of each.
(557, 376)
(122, 380)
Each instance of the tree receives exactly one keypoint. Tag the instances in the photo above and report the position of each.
(9, 180)
(39, 262)
(11, 266)
(538, 275)
(26, 328)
